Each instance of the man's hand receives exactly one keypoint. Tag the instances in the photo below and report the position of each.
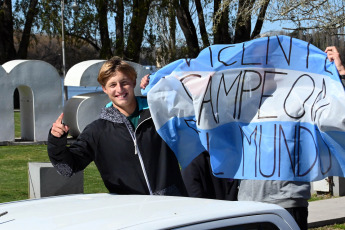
(333, 55)
(145, 81)
(59, 128)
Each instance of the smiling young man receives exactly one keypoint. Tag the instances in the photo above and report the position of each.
(128, 152)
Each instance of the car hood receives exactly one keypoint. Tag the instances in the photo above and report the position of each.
(109, 211)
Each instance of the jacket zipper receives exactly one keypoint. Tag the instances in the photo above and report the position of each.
(137, 152)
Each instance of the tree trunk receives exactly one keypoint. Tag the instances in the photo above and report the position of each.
(216, 27)
(203, 32)
(102, 10)
(119, 43)
(243, 23)
(221, 24)
(186, 23)
(226, 38)
(172, 32)
(136, 31)
(260, 20)
(24, 43)
(7, 50)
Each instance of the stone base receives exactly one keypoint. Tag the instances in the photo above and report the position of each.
(337, 188)
(44, 181)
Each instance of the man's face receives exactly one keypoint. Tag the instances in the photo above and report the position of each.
(120, 90)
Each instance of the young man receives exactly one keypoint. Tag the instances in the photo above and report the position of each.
(128, 152)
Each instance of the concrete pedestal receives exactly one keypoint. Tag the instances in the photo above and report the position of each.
(337, 188)
(44, 181)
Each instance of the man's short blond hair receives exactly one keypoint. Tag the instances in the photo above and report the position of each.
(113, 65)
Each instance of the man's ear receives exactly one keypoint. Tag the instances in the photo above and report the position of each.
(135, 83)
(103, 88)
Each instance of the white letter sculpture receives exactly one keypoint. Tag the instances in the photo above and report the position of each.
(40, 92)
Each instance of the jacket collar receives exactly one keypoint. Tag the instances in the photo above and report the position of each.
(110, 113)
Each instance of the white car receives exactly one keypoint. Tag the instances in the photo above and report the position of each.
(108, 211)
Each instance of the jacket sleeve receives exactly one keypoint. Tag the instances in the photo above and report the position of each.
(72, 159)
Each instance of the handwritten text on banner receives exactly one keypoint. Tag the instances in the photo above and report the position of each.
(271, 108)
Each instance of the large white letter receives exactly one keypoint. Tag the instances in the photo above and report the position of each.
(40, 92)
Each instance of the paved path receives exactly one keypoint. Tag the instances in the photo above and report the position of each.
(325, 212)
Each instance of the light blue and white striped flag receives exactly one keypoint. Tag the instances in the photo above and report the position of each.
(271, 108)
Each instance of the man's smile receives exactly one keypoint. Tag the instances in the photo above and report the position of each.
(121, 96)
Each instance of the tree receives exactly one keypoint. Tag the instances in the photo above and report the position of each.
(7, 47)
(202, 26)
(221, 26)
(140, 10)
(26, 34)
(102, 15)
(260, 19)
(170, 28)
(91, 24)
(7, 50)
(186, 23)
(323, 15)
(161, 33)
(229, 25)
(119, 20)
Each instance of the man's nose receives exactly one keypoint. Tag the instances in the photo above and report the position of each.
(119, 87)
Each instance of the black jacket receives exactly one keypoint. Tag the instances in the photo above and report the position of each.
(200, 181)
(108, 142)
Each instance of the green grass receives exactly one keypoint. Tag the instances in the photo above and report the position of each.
(330, 227)
(14, 169)
(316, 197)
(14, 172)
(17, 131)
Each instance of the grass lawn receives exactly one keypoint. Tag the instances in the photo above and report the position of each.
(330, 227)
(14, 172)
(17, 124)
(14, 169)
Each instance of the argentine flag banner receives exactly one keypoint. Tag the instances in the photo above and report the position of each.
(268, 109)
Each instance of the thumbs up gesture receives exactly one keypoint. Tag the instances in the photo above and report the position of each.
(59, 128)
